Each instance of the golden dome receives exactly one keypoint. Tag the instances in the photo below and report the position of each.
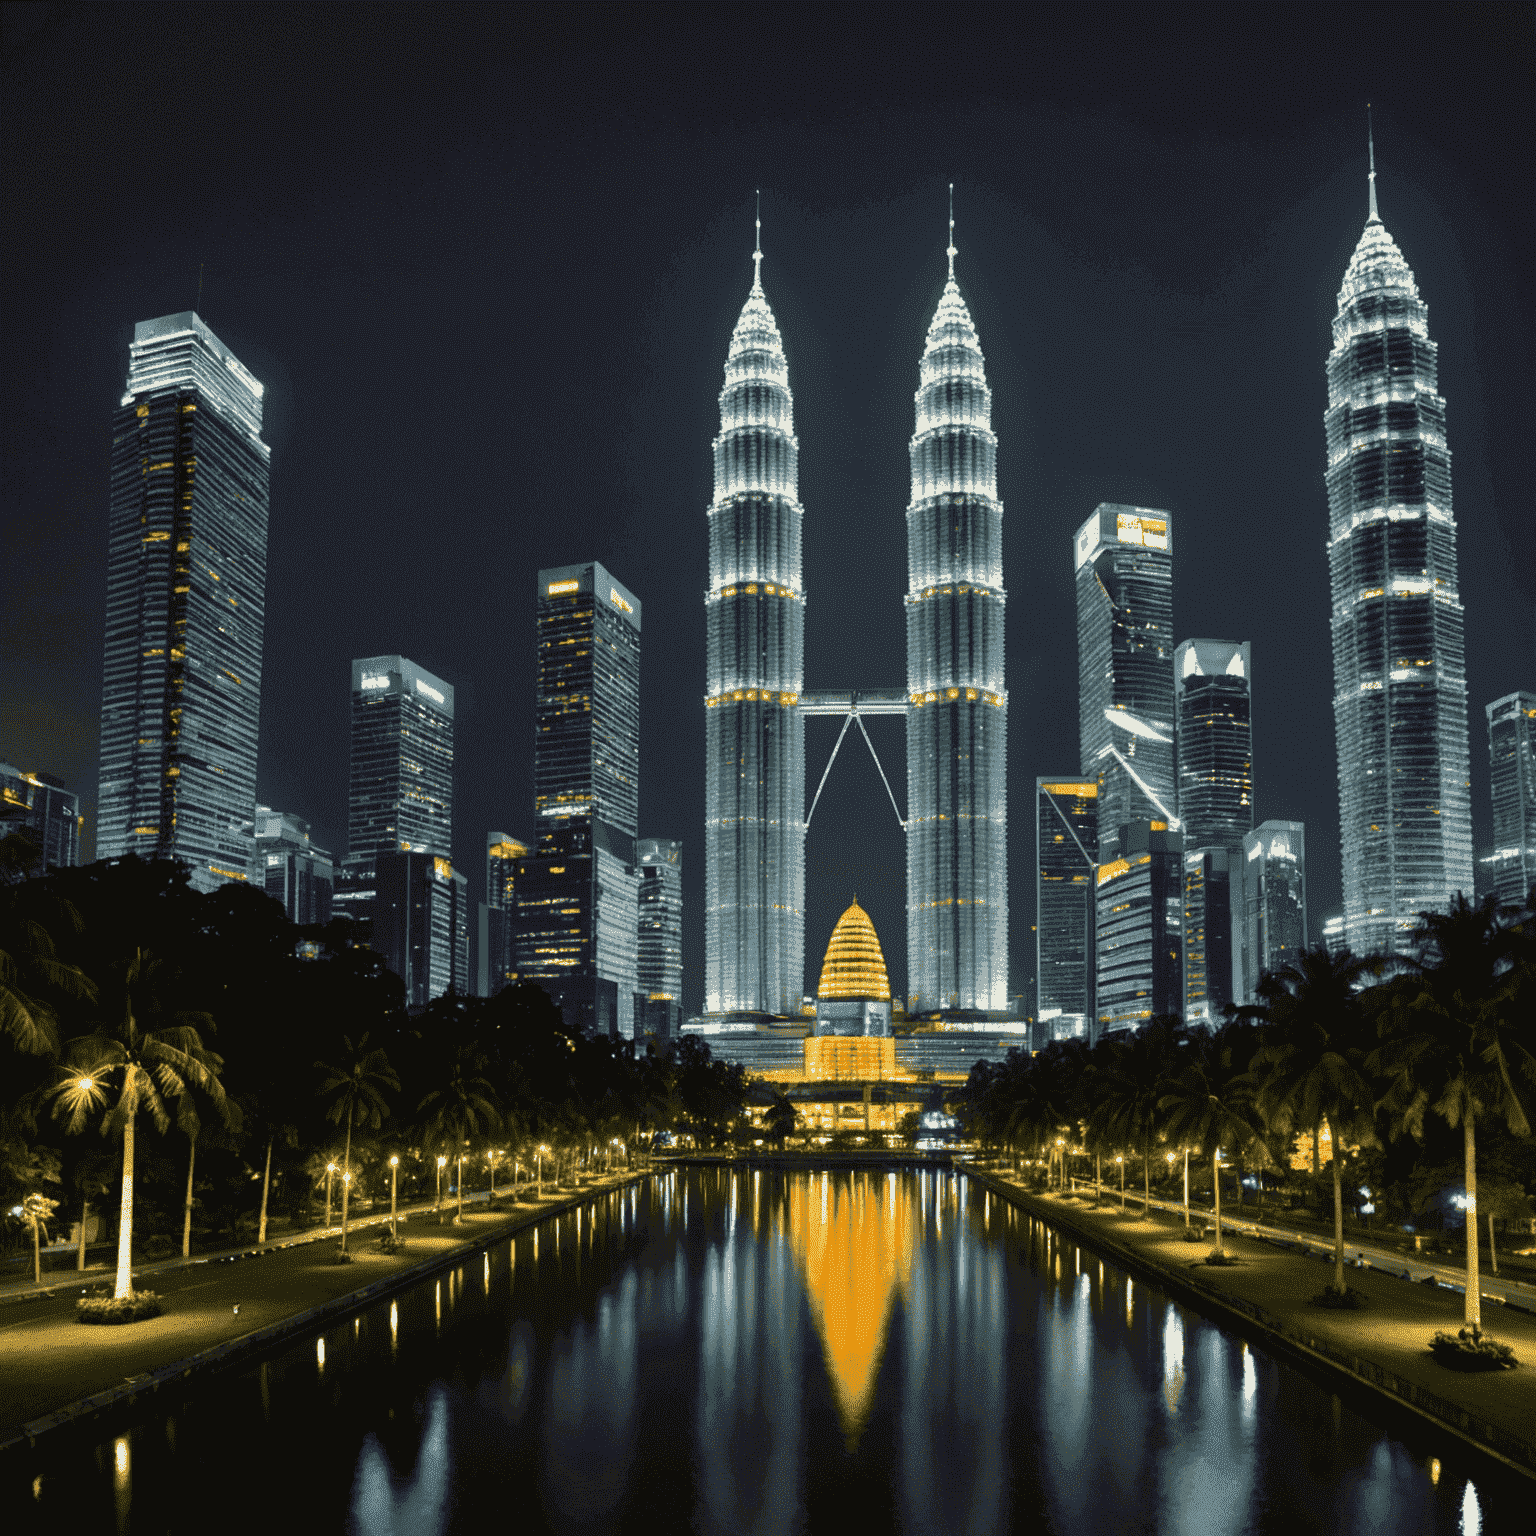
(855, 966)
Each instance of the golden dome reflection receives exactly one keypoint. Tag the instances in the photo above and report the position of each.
(855, 965)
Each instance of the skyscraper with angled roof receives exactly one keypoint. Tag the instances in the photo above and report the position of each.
(1400, 693)
(957, 714)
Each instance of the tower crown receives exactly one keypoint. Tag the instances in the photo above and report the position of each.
(855, 964)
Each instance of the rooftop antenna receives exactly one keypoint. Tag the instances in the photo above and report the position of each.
(757, 254)
(1370, 139)
(951, 252)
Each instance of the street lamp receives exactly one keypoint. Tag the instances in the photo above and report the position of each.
(442, 1163)
(492, 1155)
(330, 1169)
(394, 1175)
(540, 1155)
(1121, 1161)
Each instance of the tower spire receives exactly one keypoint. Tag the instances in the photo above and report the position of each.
(951, 251)
(1370, 139)
(757, 253)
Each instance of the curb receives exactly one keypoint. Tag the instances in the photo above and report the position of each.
(233, 1351)
(1509, 1451)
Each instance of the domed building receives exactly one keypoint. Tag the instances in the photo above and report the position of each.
(854, 997)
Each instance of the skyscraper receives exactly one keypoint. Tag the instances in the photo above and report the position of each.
(400, 791)
(290, 868)
(39, 805)
(660, 951)
(502, 853)
(957, 717)
(1212, 909)
(1512, 765)
(1271, 909)
(186, 596)
(1124, 562)
(1066, 867)
(420, 923)
(1140, 911)
(576, 893)
(754, 768)
(1400, 693)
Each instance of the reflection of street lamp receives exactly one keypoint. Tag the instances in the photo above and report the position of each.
(394, 1174)
(330, 1169)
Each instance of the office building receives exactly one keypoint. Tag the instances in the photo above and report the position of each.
(290, 868)
(1512, 766)
(659, 951)
(186, 596)
(1123, 557)
(576, 893)
(1066, 869)
(1208, 930)
(420, 924)
(38, 805)
(957, 717)
(754, 765)
(400, 788)
(1140, 912)
(1400, 692)
(494, 946)
(1272, 930)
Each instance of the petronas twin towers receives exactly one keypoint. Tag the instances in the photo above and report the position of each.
(955, 701)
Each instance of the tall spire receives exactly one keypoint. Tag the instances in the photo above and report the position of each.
(1370, 139)
(757, 254)
(951, 252)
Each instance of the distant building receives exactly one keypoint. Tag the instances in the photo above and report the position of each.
(502, 853)
(290, 868)
(186, 605)
(1066, 866)
(1334, 940)
(659, 951)
(1208, 926)
(1140, 904)
(38, 804)
(1512, 766)
(1272, 931)
(420, 924)
(400, 785)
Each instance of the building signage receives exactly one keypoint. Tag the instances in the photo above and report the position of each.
(557, 588)
(618, 601)
(375, 682)
(1149, 531)
(432, 693)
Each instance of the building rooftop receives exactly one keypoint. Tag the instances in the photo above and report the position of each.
(855, 965)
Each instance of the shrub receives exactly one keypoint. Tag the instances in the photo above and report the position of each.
(1349, 1299)
(1192, 1235)
(389, 1243)
(131, 1308)
(1219, 1260)
(1470, 1349)
(159, 1246)
(341, 1256)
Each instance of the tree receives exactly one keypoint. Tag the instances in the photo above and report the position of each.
(1309, 1071)
(1450, 1039)
(1125, 1096)
(462, 1106)
(153, 1053)
(31, 967)
(190, 1123)
(355, 1091)
(782, 1119)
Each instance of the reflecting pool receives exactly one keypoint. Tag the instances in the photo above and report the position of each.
(724, 1351)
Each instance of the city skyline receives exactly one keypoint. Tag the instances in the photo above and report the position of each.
(1286, 232)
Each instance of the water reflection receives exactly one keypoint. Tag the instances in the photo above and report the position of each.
(417, 1506)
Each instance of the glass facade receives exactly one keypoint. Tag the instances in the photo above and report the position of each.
(660, 946)
(754, 766)
(1400, 693)
(502, 853)
(957, 716)
(1208, 919)
(1212, 682)
(186, 602)
(290, 868)
(1140, 911)
(400, 789)
(420, 924)
(1272, 929)
(39, 804)
(1066, 864)
(1512, 764)
(1123, 557)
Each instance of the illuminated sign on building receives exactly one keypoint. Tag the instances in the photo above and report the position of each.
(1149, 531)
(617, 601)
(375, 682)
(558, 588)
(435, 694)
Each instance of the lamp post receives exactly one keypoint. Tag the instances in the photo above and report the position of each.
(540, 1156)
(1186, 1186)
(492, 1155)
(1121, 1161)
(1061, 1182)
(330, 1171)
(394, 1175)
(442, 1163)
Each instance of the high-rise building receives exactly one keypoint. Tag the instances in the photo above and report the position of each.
(1208, 924)
(575, 894)
(400, 790)
(420, 924)
(660, 948)
(290, 868)
(1066, 868)
(186, 603)
(1123, 557)
(38, 805)
(1272, 930)
(1140, 909)
(1400, 693)
(502, 853)
(957, 717)
(1512, 764)
(754, 765)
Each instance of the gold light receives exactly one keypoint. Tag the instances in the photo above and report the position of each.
(854, 966)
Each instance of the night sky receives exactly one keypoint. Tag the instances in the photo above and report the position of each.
(487, 263)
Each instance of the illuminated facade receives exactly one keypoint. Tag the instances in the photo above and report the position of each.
(502, 853)
(1270, 912)
(290, 868)
(754, 776)
(400, 783)
(39, 804)
(186, 603)
(1066, 866)
(660, 948)
(1140, 901)
(1400, 693)
(1209, 918)
(1123, 557)
(957, 717)
(576, 895)
(1512, 763)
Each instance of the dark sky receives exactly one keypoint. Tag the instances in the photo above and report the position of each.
(487, 262)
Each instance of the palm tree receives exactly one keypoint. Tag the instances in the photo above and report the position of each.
(30, 963)
(462, 1106)
(356, 1093)
(189, 1122)
(1451, 1039)
(1309, 1072)
(1128, 1093)
(151, 1061)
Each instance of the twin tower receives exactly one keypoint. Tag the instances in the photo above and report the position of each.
(955, 702)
